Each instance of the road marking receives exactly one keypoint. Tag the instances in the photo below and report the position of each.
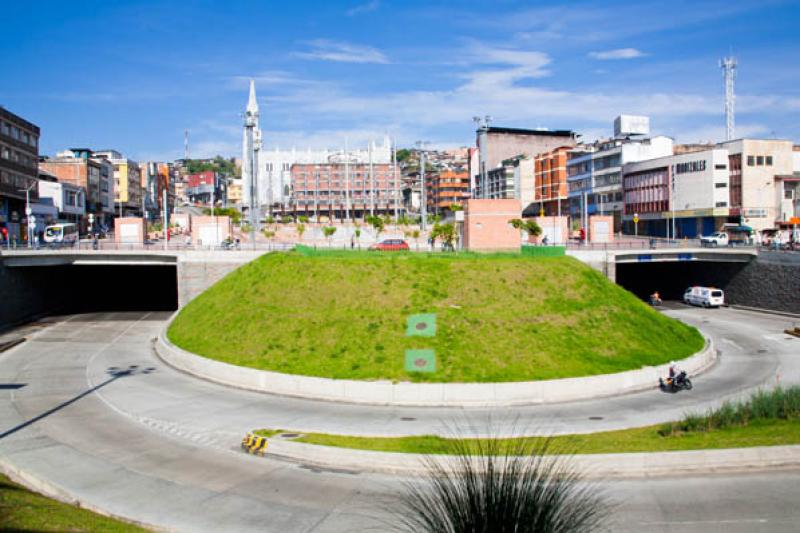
(698, 522)
(732, 344)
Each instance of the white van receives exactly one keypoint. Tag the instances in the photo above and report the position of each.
(61, 234)
(705, 296)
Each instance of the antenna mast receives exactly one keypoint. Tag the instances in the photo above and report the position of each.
(728, 66)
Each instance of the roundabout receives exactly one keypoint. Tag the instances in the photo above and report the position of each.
(163, 447)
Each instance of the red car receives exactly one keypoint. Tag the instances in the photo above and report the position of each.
(390, 245)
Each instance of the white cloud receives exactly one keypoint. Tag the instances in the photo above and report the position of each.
(619, 53)
(327, 50)
(363, 8)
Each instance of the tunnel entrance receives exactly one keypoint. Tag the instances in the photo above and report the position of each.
(671, 279)
(34, 291)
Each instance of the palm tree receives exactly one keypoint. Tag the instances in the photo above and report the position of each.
(501, 485)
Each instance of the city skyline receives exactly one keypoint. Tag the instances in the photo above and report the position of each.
(363, 69)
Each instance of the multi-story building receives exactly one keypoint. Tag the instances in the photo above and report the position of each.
(336, 190)
(68, 199)
(275, 166)
(445, 188)
(235, 192)
(512, 178)
(594, 173)
(205, 187)
(19, 162)
(496, 145)
(694, 187)
(127, 183)
(755, 199)
(550, 181)
(79, 167)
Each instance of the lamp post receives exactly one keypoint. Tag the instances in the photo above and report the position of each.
(423, 195)
(28, 210)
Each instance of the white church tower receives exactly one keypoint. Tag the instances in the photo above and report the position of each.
(251, 147)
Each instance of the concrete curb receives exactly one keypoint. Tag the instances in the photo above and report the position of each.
(596, 466)
(54, 492)
(426, 394)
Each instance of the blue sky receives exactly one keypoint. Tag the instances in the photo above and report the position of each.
(134, 75)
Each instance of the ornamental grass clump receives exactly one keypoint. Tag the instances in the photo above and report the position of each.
(501, 485)
(776, 404)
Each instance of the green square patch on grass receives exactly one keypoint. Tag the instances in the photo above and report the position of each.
(423, 325)
(420, 361)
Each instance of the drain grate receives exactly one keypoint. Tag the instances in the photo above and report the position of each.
(763, 351)
(595, 418)
(408, 419)
(289, 435)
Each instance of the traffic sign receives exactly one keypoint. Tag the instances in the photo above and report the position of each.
(636, 218)
(28, 211)
(31, 221)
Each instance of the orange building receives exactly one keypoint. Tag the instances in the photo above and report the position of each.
(550, 181)
(446, 188)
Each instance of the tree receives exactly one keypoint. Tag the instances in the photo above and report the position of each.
(303, 219)
(446, 233)
(528, 226)
(403, 154)
(286, 219)
(269, 234)
(456, 207)
(301, 228)
(377, 224)
(503, 485)
(328, 231)
(415, 233)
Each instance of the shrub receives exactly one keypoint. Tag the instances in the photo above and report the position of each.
(775, 404)
(502, 485)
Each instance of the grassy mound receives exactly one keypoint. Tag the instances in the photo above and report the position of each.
(499, 318)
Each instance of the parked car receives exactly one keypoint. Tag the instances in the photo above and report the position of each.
(720, 238)
(390, 245)
(704, 296)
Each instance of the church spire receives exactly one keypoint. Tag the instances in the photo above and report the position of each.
(252, 104)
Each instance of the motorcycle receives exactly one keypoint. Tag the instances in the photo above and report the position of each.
(654, 300)
(678, 383)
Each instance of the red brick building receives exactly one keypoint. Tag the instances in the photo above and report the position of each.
(446, 188)
(331, 190)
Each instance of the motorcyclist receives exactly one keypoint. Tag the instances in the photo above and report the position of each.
(655, 298)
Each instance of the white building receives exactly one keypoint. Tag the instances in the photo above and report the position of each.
(276, 165)
(68, 199)
(594, 173)
(694, 186)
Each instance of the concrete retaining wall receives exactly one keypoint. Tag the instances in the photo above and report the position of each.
(612, 465)
(426, 394)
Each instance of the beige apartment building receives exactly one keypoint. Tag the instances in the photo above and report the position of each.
(127, 183)
(755, 194)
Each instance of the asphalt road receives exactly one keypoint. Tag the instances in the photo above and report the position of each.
(86, 407)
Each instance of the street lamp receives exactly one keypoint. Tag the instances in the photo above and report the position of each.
(423, 195)
(28, 210)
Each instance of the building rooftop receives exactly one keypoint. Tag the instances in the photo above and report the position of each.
(537, 132)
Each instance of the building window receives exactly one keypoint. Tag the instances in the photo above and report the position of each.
(720, 185)
(722, 204)
(751, 161)
(720, 167)
(760, 160)
(769, 160)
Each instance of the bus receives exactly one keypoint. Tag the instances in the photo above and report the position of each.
(61, 234)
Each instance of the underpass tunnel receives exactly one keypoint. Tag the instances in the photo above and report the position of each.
(69, 289)
(671, 279)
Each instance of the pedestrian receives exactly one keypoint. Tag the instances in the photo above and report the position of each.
(352, 241)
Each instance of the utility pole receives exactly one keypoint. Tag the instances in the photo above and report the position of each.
(165, 219)
(728, 66)
(346, 181)
(423, 195)
(371, 183)
(396, 181)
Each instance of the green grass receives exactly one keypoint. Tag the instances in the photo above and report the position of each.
(646, 439)
(500, 317)
(23, 510)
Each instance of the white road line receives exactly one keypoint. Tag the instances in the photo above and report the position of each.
(733, 344)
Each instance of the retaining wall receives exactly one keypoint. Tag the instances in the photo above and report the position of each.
(426, 394)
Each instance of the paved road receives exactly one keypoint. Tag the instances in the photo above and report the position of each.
(754, 351)
(69, 415)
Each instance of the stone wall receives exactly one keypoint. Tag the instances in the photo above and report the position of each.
(772, 281)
